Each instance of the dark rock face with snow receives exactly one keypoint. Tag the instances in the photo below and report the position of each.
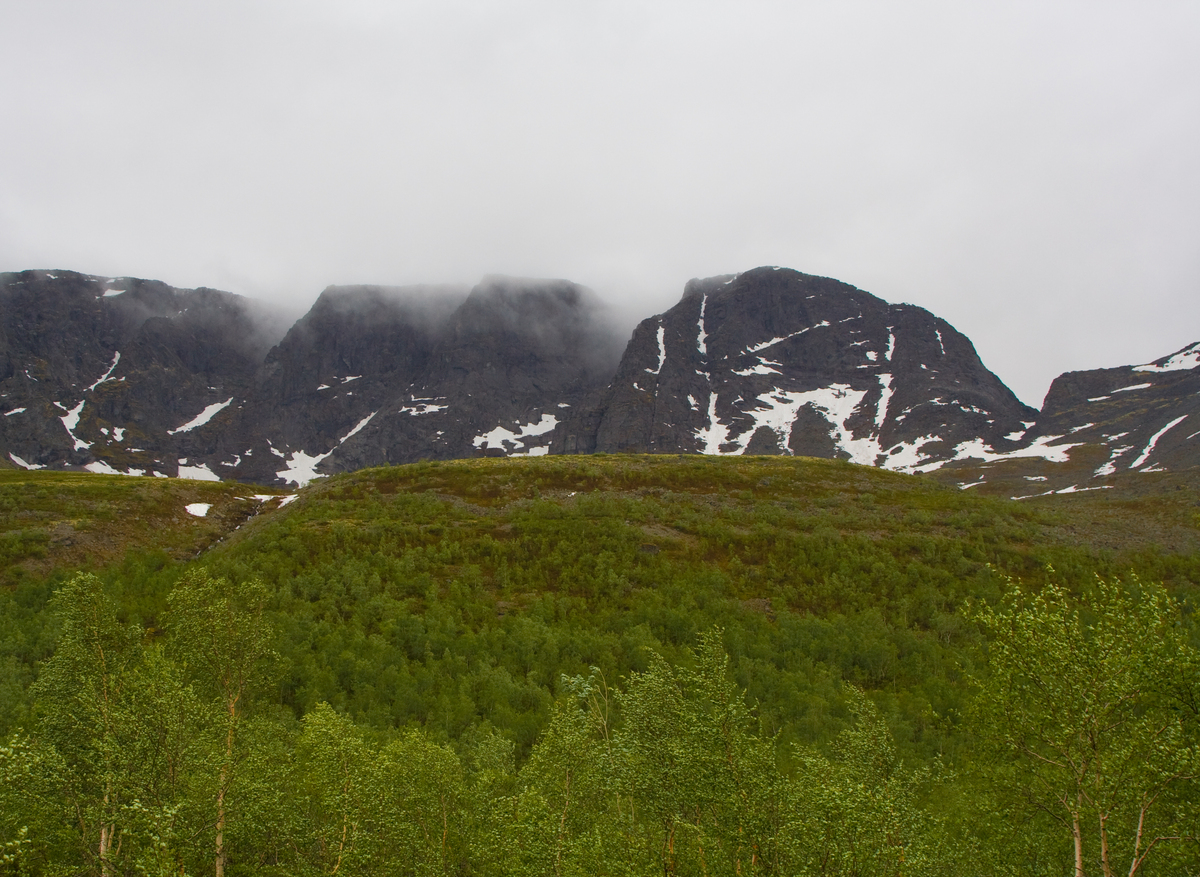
(1098, 427)
(777, 362)
(121, 375)
(488, 372)
(134, 376)
(116, 373)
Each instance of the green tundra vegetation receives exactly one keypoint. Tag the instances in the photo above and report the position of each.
(600, 665)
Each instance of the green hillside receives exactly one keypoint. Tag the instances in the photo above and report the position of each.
(460, 601)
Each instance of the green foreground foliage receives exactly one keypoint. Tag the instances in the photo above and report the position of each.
(622, 665)
(166, 756)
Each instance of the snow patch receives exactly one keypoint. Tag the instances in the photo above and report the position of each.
(1154, 440)
(202, 418)
(423, 406)
(196, 473)
(763, 368)
(702, 336)
(662, 349)
(885, 396)
(907, 456)
(197, 509)
(500, 434)
(891, 345)
(1188, 358)
(1110, 467)
(872, 355)
(941, 346)
(764, 345)
(1131, 387)
(712, 436)
(109, 293)
(14, 411)
(976, 449)
(351, 378)
(104, 377)
(70, 421)
(358, 427)
(22, 463)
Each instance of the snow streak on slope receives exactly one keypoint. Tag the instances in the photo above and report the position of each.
(764, 345)
(70, 421)
(22, 463)
(1149, 449)
(662, 350)
(702, 337)
(202, 418)
(104, 377)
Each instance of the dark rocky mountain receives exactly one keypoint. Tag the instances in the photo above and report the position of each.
(773, 361)
(108, 373)
(1096, 429)
(127, 375)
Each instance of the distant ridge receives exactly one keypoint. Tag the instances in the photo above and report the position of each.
(134, 376)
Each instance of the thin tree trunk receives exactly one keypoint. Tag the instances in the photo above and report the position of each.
(1104, 846)
(219, 864)
(1077, 833)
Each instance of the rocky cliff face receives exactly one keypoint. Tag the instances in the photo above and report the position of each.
(112, 374)
(1096, 429)
(127, 375)
(773, 361)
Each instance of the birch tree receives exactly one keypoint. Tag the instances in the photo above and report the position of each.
(1091, 709)
(224, 640)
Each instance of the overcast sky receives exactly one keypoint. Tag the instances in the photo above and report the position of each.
(1028, 171)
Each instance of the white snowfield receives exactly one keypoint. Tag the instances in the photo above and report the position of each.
(202, 418)
(301, 468)
(198, 509)
(501, 434)
(196, 472)
(1188, 358)
(778, 409)
(22, 463)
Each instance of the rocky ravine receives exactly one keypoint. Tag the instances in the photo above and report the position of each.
(125, 375)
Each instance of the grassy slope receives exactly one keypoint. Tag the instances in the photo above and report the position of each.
(456, 594)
